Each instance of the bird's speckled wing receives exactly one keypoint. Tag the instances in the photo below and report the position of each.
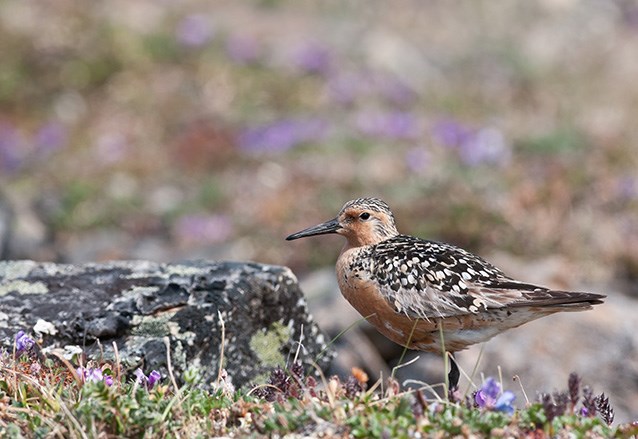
(429, 279)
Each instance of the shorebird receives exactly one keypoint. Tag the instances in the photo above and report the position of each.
(427, 295)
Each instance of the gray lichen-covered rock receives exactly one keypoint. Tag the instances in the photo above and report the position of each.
(140, 306)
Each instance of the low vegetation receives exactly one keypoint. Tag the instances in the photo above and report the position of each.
(51, 396)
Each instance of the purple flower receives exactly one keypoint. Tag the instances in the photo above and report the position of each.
(11, 145)
(504, 403)
(110, 148)
(485, 146)
(139, 376)
(23, 342)
(50, 137)
(153, 378)
(394, 125)
(94, 375)
(397, 92)
(148, 382)
(203, 229)
(194, 31)
(628, 13)
(314, 58)
(281, 135)
(488, 393)
(417, 159)
(450, 133)
(35, 368)
(243, 49)
(627, 187)
(343, 89)
(490, 397)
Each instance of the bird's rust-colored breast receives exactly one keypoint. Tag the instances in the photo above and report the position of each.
(364, 296)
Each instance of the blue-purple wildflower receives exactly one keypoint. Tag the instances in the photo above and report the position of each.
(282, 135)
(23, 342)
(399, 125)
(475, 147)
(343, 89)
(487, 145)
(629, 14)
(194, 31)
(94, 375)
(50, 137)
(397, 92)
(314, 58)
(154, 378)
(243, 49)
(111, 148)
(203, 229)
(147, 381)
(627, 187)
(11, 147)
(491, 397)
(17, 149)
(450, 133)
(417, 159)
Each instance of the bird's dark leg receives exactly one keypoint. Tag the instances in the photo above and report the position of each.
(454, 374)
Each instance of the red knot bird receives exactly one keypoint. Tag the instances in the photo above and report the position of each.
(429, 295)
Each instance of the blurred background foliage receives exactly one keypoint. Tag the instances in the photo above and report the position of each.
(169, 130)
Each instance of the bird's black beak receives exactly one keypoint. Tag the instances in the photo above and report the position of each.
(321, 229)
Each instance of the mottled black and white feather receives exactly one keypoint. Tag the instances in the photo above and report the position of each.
(428, 279)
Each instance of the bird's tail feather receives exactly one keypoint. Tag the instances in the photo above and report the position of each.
(565, 300)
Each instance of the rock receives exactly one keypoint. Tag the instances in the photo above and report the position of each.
(255, 312)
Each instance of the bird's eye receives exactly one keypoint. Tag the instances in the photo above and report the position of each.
(364, 216)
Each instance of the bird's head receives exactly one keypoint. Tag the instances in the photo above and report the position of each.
(364, 221)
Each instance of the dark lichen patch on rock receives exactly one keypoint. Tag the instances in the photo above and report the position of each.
(142, 306)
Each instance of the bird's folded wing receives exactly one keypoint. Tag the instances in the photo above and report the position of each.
(428, 279)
